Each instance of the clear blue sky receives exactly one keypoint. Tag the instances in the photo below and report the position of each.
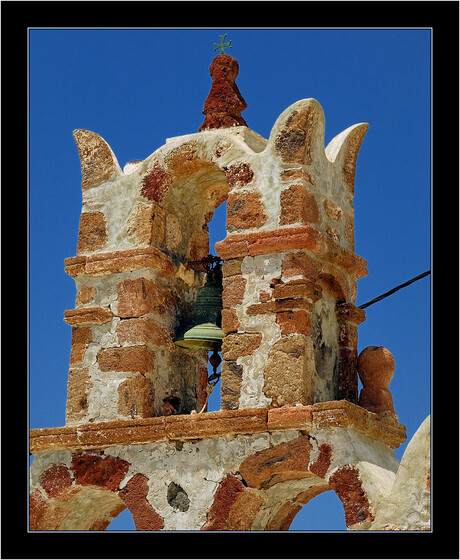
(137, 87)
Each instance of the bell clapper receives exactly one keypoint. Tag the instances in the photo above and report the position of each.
(213, 379)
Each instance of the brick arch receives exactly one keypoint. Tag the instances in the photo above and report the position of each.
(180, 186)
(244, 500)
(87, 496)
(272, 485)
(186, 180)
(284, 513)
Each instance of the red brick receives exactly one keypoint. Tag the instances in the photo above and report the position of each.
(300, 263)
(244, 211)
(141, 296)
(294, 322)
(239, 174)
(128, 358)
(224, 498)
(96, 470)
(233, 290)
(134, 494)
(143, 330)
(285, 461)
(156, 183)
(92, 234)
(87, 316)
(347, 485)
(55, 479)
(240, 344)
(230, 322)
(298, 206)
(81, 338)
(323, 460)
(136, 397)
(285, 239)
(301, 288)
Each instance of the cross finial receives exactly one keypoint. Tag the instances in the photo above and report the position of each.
(223, 44)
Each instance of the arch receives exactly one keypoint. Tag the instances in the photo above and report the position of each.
(326, 507)
(75, 508)
(288, 475)
(123, 522)
(188, 178)
(89, 494)
(282, 516)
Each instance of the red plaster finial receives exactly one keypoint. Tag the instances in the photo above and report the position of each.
(225, 103)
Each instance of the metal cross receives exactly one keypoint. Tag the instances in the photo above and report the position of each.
(222, 45)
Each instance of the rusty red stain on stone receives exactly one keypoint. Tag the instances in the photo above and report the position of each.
(323, 461)
(106, 472)
(55, 479)
(37, 506)
(238, 174)
(224, 103)
(134, 494)
(347, 485)
(224, 498)
(156, 183)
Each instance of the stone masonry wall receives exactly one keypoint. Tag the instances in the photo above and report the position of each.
(289, 270)
(228, 470)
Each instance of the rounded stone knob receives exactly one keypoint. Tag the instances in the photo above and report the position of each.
(376, 367)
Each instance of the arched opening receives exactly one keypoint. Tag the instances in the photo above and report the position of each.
(123, 522)
(188, 182)
(322, 513)
(217, 231)
(73, 508)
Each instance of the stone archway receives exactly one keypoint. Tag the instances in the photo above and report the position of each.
(189, 177)
(88, 495)
(272, 485)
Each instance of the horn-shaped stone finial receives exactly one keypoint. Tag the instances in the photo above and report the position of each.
(298, 134)
(98, 162)
(343, 150)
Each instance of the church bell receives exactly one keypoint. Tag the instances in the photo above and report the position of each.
(205, 332)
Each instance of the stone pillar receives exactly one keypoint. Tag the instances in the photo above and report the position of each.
(123, 361)
(290, 262)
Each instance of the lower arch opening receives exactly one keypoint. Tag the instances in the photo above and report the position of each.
(123, 522)
(323, 513)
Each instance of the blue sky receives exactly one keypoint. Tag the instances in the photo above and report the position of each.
(137, 87)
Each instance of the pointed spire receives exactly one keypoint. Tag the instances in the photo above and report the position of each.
(224, 103)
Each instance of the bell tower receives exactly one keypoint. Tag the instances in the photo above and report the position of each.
(277, 301)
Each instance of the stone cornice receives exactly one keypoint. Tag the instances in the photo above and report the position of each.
(239, 245)
(331, 414)
(98, 264)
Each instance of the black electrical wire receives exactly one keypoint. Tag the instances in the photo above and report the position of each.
(386, 294)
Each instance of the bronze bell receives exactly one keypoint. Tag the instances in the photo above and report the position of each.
(205, 332)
